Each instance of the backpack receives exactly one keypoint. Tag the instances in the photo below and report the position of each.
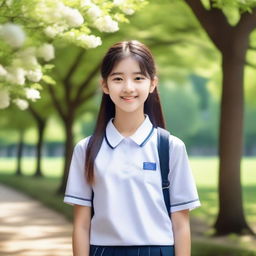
(163, 153)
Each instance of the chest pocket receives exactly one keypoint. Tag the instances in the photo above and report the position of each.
(150, 172)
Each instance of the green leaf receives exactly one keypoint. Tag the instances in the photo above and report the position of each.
(48, 80)
(37, 86)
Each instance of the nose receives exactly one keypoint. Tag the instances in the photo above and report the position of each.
(128, 86)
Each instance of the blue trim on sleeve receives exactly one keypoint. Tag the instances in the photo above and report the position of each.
(148, 137)
(80, 198)
(173, 205)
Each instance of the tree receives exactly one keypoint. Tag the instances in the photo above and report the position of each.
(27, 27)
(19, 121)
(40, 111)
(232, 41)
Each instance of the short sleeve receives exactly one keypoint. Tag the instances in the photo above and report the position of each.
(183, 192)
(78, 191)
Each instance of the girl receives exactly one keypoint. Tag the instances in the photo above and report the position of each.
(116, 170)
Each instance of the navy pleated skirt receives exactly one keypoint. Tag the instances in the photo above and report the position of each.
(153, 250)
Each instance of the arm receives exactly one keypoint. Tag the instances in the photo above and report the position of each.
(181, 231)
(81, 230)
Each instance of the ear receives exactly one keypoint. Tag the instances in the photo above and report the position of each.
(154, 84)
(104, 86)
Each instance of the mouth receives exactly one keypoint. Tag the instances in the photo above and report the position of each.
(129, 98)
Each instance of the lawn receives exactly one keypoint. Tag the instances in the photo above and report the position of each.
(205, 172)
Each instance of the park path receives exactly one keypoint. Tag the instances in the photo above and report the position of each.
(27, 228)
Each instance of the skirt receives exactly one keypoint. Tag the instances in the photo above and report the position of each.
(152, 250)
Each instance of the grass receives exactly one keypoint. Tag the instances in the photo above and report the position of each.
(205, 172)
(209, 249)
(206, 175)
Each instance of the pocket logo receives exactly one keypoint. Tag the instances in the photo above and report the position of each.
(149, 166)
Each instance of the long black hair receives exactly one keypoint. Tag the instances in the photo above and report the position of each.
(152, 105)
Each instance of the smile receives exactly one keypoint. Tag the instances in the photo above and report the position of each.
(129, 98)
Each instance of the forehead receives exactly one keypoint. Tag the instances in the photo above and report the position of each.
(127, 65)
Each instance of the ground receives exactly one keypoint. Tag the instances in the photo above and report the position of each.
(27, 228)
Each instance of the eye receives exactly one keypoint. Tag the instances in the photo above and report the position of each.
(117, 79)
(138, 78)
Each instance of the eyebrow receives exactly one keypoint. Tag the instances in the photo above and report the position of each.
(121, 73)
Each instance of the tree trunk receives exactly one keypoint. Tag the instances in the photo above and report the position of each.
(69, 144)
(41, 128)
(19, 151)
(231, 217)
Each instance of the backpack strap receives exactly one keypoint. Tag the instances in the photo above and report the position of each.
(163, 153)
(92, 208)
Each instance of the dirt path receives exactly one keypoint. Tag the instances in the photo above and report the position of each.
(27, 228)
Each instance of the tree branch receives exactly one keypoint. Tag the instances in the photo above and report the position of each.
(155, 43)
(67, 78)
(213, 21)
(86, 97)
(253, 48)
(56, 101)
(35, 114)
(247, 63)
(248, 21)
(74, 66)
(87, 81)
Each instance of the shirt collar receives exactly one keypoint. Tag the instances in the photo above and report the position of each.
(140, 137)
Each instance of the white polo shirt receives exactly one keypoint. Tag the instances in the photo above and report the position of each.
(128, 199)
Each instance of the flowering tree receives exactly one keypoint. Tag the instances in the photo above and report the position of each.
(28, 29)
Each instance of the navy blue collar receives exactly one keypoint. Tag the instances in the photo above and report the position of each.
(140, 137)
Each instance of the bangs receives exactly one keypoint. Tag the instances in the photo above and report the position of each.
(134, 50)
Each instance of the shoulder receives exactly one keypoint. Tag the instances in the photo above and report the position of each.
(177, 148)
(176, 145)
(175, 141)
(81, 145)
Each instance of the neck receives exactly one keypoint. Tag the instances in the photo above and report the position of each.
(127, 123)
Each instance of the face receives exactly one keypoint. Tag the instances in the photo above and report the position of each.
(127, 87)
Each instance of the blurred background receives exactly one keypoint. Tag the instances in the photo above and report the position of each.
(204, 53)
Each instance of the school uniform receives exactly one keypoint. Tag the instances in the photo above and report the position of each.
(129, 209)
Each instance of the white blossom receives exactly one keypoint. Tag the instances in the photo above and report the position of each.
(124, 6)
(84, 3)
(106, 24)
(94, 11)
(46, 51)
(119, 2)
(53, 31)
(4, 98)
(34, 75)
(25, 62)
(90, 41)
(25, 58)
(12, 34)
(9, 2)
(72, 16)
(15, 75)
(3, 71)
(22, 104)
(32, 94)
(29, 51)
